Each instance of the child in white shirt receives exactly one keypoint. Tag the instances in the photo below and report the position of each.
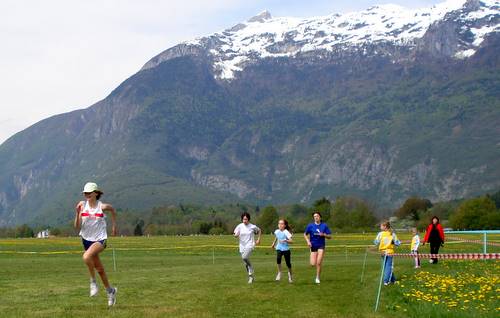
(415, 243)
(245, 232)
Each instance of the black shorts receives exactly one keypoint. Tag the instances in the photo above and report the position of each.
(316, 248)
(87, 244)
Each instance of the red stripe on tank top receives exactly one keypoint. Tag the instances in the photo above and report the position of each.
(97, 215)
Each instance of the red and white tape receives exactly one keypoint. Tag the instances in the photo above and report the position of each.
(473, 241)
(452, 256)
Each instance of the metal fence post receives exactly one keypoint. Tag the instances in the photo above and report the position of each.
(485, 241)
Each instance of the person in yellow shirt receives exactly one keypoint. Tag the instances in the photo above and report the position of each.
(415, 243)
(386, 240)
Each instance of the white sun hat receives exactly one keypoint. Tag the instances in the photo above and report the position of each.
(91, 187)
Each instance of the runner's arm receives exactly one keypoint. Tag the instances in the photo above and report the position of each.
(258, 237)
(77, 222)
(274, 242)
(306, 237)
(109, 208)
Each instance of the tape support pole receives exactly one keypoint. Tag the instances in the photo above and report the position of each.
(380, 283)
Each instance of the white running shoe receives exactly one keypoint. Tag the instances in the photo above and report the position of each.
(431, 261)
(317, 280)
(250, 279)
(290, 280)
(112, 297)
(278, 277)
(93, 288)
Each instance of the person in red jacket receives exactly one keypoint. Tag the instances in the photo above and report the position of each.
(435, 236)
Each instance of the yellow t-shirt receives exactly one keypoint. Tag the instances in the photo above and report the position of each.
(415, 242)
(386, 240)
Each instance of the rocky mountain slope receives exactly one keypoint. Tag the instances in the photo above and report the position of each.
(383, 103)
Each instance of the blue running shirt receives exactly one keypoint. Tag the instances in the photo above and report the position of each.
(313, 230)
(281, 236)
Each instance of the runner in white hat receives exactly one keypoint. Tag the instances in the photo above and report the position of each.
(91, 221)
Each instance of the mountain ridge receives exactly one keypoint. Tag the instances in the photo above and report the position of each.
(232, 49)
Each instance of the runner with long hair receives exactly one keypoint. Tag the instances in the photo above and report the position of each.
(283, 237)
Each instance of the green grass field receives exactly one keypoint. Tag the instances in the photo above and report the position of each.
(189, 277)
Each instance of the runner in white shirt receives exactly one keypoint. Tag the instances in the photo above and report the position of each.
(91, 220)
(246, 232)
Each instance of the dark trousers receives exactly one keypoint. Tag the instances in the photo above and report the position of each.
(435, 250)
(287, 255)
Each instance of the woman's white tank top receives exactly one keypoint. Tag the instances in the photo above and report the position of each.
(93, 227)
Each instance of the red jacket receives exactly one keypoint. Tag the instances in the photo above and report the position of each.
(429, 229)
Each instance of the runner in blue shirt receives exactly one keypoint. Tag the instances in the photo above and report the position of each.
(315, 235)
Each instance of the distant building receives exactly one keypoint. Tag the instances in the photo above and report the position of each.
(43, 234)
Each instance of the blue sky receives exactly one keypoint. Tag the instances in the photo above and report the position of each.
(61, 55)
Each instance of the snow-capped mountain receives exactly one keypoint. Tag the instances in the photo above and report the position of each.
(381, 104)
(391, 27)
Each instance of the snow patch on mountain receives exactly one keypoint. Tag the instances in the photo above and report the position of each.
(465, 54)
(479, 34)
(489, 11)
(264, 36)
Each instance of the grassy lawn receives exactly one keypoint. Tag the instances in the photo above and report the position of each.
(203, 276)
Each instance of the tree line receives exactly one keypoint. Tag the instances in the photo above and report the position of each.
(344, 214)
(480, 213)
